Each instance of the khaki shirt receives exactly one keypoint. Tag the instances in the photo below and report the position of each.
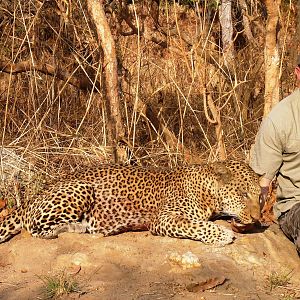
(277, 151)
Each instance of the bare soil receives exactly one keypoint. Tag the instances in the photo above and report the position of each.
(138, 265)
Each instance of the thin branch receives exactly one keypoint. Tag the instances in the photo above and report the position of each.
(209, 119)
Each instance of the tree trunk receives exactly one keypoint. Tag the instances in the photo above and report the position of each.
(116, 130)
(246, 22)
(227, 33)
(272, 56)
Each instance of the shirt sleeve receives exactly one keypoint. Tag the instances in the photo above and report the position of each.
(266, 155)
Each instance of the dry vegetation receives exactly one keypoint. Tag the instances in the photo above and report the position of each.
(177, 91)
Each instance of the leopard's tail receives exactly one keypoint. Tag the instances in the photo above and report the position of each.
(11, 225)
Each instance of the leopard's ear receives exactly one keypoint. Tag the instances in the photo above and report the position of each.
(223, 174)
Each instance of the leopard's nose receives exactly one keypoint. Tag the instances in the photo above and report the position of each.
(255, 214)
(254, 207)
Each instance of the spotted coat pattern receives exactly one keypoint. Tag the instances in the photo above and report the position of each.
(112, 199)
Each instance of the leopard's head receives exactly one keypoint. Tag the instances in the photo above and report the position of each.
(239, 194)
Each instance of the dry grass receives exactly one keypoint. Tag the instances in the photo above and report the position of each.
(55, 127)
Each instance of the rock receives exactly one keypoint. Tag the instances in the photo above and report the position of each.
(186, 260)
(133, 265)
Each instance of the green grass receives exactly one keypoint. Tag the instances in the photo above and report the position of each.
(288, 297)
(55, 286)
(279, 279)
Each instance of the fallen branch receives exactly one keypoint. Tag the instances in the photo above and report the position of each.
(83, 83)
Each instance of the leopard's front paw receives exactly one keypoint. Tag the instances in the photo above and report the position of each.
(218, 235)
(225, 237)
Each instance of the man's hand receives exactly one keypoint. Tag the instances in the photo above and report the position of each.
(264, 192)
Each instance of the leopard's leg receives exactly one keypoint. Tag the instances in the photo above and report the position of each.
(180, 225)
(55, 214)
(93, 221)
(11, 224)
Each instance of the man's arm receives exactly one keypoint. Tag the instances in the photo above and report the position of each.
(266, 156)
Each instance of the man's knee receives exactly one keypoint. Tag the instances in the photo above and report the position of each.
(290, 224)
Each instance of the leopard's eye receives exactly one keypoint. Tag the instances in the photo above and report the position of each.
(245, 195)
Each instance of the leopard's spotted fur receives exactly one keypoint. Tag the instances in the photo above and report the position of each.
(169, 202)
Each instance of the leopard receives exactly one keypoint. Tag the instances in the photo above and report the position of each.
(179, 202)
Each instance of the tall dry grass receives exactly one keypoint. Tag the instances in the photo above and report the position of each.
(56, 127)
